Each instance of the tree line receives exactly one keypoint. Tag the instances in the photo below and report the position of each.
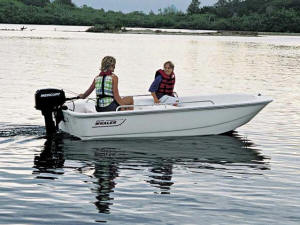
(239, 15)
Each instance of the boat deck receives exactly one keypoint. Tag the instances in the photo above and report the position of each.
(145, 103)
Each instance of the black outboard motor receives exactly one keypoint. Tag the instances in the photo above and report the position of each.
(49, 101)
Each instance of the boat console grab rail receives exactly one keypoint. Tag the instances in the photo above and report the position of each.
(161, 104)
(211, 101)
(175, 93)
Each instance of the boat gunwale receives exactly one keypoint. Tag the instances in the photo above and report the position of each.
(160, 111)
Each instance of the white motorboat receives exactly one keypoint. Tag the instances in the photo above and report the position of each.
(195, 115)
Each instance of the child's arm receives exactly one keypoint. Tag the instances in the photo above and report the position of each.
(155, 97)
(154, 87)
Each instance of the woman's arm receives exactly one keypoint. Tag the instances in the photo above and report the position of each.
(116, 90)
(88, 91)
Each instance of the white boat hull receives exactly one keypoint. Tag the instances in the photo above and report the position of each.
(188, 120)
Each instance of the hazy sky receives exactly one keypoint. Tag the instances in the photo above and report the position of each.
(139, 5)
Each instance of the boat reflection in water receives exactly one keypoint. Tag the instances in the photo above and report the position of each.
(155, 159)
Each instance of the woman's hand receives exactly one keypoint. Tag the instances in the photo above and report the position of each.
(81, 96)
(88, 91)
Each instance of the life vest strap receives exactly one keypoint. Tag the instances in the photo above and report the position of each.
(103, 95)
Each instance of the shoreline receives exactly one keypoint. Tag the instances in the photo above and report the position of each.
(206, 33)
(161, 31)
(157, 31)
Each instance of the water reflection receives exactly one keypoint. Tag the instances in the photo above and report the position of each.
(51, 158)
(161, 175)
(106, 171)
(154, 158)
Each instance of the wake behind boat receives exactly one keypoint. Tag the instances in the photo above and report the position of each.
(194, 116)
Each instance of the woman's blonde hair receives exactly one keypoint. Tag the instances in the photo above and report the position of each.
(170, 64)
(107, 62)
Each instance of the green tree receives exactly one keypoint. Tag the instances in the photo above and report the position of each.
(244, 15)
(170, 10)
(194, 7)
(64, 2)
(40, 3)
(221, 3)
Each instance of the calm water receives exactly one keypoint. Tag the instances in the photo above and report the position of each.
(252, 177)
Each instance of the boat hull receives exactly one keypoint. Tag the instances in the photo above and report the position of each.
(192, 121)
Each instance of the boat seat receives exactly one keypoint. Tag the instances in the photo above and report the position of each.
(82, 106)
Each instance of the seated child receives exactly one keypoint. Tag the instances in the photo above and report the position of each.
(163, 85)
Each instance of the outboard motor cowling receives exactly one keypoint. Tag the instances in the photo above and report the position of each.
(49, 101)
(49, 98)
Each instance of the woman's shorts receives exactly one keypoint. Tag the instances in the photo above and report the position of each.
(111, 107)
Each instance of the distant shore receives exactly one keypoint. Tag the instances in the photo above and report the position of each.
(206, 33)
(162, 31)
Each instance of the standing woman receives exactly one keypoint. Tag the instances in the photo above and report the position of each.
(106, 85)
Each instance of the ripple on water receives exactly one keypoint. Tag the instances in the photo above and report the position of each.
(11, 130)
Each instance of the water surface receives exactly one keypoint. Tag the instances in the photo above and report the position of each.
(251, 177)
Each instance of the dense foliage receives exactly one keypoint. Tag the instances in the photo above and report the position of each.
(250, 15)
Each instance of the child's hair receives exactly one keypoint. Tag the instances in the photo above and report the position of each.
(170, 64)
(107, 62)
